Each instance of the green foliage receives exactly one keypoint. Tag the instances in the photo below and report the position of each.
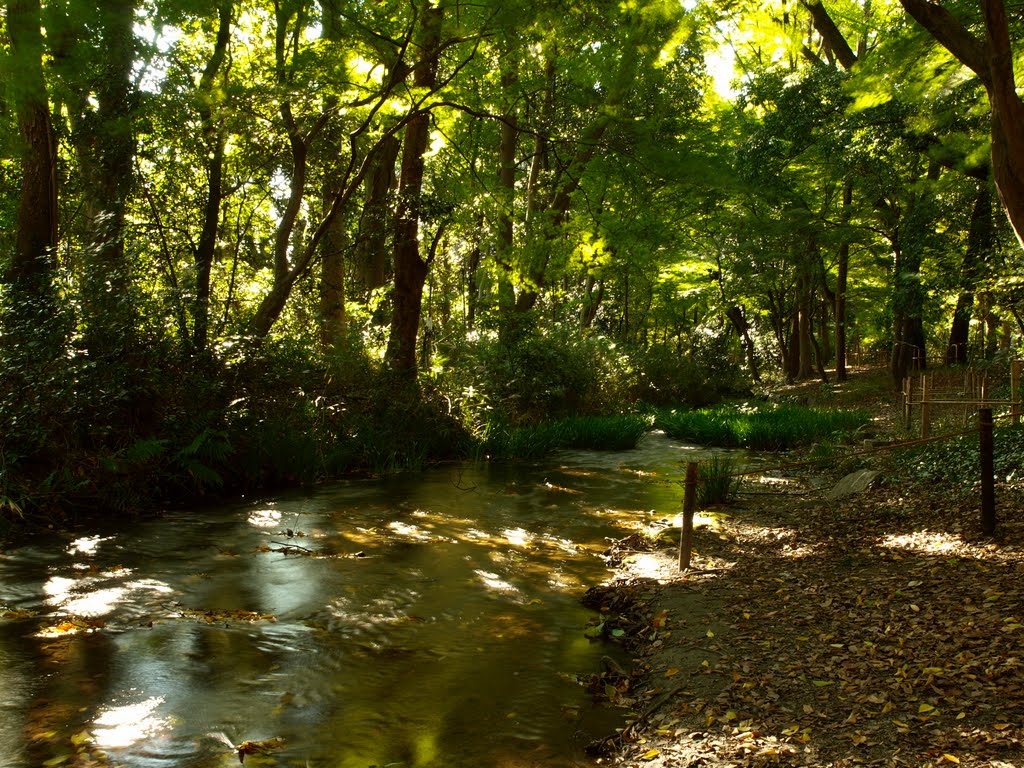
(525, 374)
(667, 376)
(602, 433)
(957, 460)
(760, 427)
(715, 483)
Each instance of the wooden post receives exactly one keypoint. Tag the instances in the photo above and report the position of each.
(988, 483)
(1015, 371)
(926, 411)
(908, 401)
(967, 395)
(689, 505)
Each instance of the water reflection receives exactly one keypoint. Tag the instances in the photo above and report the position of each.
(429, 621)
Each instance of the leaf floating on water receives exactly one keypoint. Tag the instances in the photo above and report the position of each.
(258, 747)
(211, 616)
(247, 748)
(16, 614)
(71, 627)
(81, 738)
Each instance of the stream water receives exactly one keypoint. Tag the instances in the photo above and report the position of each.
(418, 621)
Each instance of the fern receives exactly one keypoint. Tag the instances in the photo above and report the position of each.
(208, 447)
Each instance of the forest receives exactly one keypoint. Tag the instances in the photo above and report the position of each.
(254, 245)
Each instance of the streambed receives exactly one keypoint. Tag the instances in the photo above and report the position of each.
(418, 621)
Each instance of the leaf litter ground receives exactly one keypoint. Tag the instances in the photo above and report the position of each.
(878, 630)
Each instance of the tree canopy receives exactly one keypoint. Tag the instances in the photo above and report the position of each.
(231, 223)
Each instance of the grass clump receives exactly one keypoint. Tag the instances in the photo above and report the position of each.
(761, 427)
(715, 481)
(600, 433)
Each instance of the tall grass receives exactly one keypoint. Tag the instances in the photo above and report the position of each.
(760, 428)
(715, 482)
(601, 433)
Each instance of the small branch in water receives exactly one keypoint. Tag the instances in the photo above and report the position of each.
(286, 547)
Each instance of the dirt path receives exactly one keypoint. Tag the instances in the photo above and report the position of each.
(877, 629)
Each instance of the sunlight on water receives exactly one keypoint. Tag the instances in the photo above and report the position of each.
(265, 518)
(86, 545)
(425, 620)
(518, 537)
(495, 582)
(125, 725)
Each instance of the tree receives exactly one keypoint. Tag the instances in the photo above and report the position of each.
(32, 263)
(990, 58)
(410, 264)
(99, 92)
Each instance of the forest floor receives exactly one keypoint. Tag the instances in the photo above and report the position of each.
(879, 629)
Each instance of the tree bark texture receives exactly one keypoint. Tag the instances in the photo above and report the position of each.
(980, 242)
(32, 262)
(105, 144)
(410, 266)
(214, 140)
(990, 57)
(372, 251)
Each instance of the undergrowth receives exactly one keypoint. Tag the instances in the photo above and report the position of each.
(603, 433)
(761, 427)
(957, 460)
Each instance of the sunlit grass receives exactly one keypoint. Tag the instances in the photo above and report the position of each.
(716, 483)
(760, 427)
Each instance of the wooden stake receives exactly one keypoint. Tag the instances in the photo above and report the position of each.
(1015, 371)
(926, 411)
(908, 402)
(988, 481)
(689, 506)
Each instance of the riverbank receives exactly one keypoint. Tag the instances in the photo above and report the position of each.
(878, 629)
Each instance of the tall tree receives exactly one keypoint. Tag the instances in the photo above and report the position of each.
(98, 87)
(411, 265)
(32, 262)
(214, 141)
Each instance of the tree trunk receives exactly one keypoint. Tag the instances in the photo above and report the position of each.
(792, 349)
(333, 319)
(214, 140)
(31, 266)
(991, 59)
(805, 311)
(739, 321)
(410, 267)
(842, 279)
(591, 301)
(371, 250)
(980, 242)
(105, 145)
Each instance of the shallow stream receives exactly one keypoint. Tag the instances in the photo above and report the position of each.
(418, 621)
